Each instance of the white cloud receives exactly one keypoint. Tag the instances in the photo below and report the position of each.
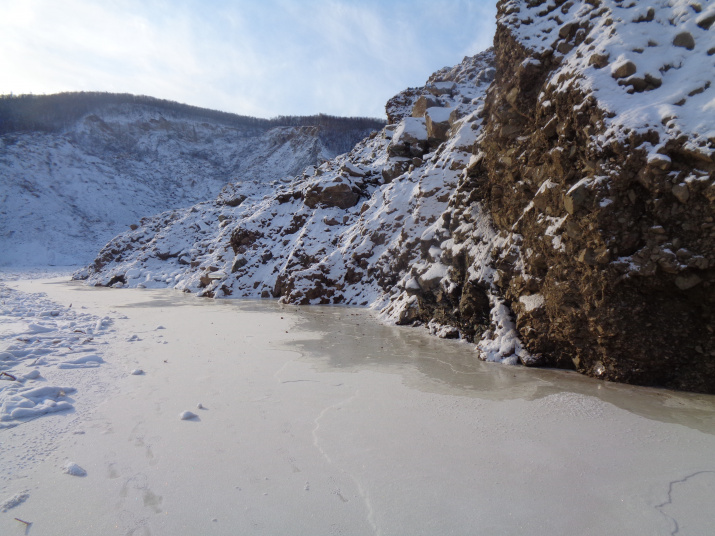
(277, 57)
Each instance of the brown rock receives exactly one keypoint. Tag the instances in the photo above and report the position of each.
(394, 168)
(598, 60)
(238, 263)
(586, 256)
(549, 129)
(337, 195)
(624, 70)
(705, 21)
(576, 197)
(681, 192)
(564, 48)
(649, 16)
(567, 29)
(441, 88)
(437, 122)
(421, 105)
(686, 282)
(685, 40)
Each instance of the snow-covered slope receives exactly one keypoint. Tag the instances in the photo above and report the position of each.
(64, 195)
(339, 233)
(550, 200)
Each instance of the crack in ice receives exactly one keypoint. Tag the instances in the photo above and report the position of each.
(362, 491)
(660, 507)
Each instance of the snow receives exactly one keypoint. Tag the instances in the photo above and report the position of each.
(310, 418)
(31, 350)
(67, 194)
(12, 502)
(409, 130)
(439, 114)
(502, 344)
(532, 302)
(682, 104)
(73, 469)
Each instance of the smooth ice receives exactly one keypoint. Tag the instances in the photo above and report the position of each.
(320, 420)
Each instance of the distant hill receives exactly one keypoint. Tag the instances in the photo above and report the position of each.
(60, 111)
(78, 168)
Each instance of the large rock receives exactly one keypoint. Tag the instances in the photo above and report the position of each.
(421, 105)
(410, 138)
(334, 194)
(441, 88)
(437, 123)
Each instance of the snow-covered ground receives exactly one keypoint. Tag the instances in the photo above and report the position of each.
(306, 425)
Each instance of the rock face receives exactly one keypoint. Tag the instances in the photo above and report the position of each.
(550, 200)
(608, 251)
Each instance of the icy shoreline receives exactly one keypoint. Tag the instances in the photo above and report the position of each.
(316, 420)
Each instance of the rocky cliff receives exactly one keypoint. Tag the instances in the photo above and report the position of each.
(596, 168)
(550, 200)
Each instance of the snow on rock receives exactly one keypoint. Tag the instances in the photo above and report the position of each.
(649, 64)
(291, 242)
(67, 193)
(187, 415)
(72, 469)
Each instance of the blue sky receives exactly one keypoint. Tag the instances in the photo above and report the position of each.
(261, 58)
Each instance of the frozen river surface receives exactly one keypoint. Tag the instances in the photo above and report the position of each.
(321, 421)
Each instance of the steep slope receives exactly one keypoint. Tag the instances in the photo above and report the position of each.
(596, 166)
(342, 232)
(559, 215)
(64, 192)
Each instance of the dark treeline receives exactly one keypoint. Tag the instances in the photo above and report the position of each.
(52, 113)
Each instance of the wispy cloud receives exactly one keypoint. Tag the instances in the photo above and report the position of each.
(276, 57)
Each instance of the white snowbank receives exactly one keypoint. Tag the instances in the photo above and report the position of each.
(37, 335)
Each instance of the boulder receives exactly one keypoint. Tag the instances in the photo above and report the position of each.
(599, 61)
(684, 40)
(577, 196)
(421, 105)
(437, 123)
(441, 88)
(352, 170)
(334, 194)
(410, 138)
(706, 20)
(394, 168)
(623, 69)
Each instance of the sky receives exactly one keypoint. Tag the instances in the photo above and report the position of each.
(253, 57)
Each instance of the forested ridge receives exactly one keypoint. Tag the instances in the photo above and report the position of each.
(52, 113)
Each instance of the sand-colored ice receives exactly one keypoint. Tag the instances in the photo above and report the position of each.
(322, 421)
